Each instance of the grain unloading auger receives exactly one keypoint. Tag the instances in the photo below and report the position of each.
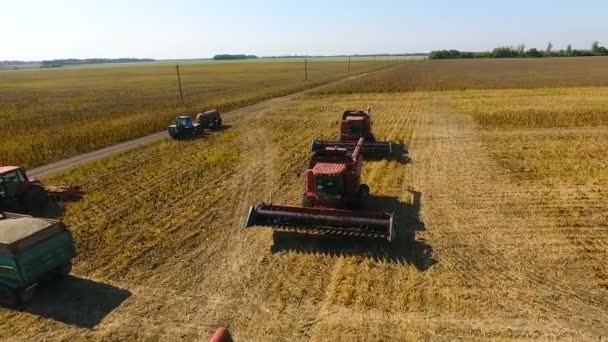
(332, 201)
(356, 125)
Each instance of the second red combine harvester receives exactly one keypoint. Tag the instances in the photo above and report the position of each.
(354, 125)
(332, 202)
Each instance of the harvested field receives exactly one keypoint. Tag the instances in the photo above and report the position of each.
(504, 250)
(49, 114)
(462, 74)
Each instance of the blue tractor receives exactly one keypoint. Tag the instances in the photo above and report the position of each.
(184, 128)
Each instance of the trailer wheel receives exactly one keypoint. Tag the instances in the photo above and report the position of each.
(8, 297)
(35, 200)
(65, 269)
(172, 132)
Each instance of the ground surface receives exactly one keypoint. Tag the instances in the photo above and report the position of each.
(84, 158)
(50, 114)
(510, 244)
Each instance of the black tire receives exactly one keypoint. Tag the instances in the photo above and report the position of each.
(308, 202)
(35, 200)
(58, 273)
(65, 269)
(364, 192)
(363, 196)
(172, 132)
(8, 297)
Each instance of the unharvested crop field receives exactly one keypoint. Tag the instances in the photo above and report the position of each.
(462, 74)
(506, 188)
(48, 114)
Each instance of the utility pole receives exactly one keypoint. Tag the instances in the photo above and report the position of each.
(349, 64)
(179, 83)
(305, 69)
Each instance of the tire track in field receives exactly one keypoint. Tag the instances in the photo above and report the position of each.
(489, 269)
(396, 119)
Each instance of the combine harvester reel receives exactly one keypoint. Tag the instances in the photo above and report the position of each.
(355, 125)
(332, 201)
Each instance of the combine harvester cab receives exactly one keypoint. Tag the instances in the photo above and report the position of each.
(356, 125)
(332, 201)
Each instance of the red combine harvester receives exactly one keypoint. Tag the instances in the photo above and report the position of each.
(18, 193)
(355, 125)
(332, 202)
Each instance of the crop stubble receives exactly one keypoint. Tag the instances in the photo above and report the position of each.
(512, 239)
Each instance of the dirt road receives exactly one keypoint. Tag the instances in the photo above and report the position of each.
(493, 258)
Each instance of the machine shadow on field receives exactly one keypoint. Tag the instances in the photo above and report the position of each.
(404, 249)
(399, 154)
(76, 301)
(206, 133)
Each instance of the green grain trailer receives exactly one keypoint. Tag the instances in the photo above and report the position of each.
(31, 250)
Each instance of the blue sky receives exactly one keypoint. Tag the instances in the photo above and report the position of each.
(43, 29)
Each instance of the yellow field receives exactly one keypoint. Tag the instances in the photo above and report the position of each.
(501, 73)
(48, 114)
(506, 188)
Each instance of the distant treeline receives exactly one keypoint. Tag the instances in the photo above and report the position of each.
(521, 52)
(421, 54)
(18, 63)
(231, 57)
(74, 61)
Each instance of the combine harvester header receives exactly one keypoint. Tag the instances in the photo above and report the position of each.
(332, 202)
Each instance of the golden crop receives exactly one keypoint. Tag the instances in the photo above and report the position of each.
(462, 74)
(48, 114)
(505, 187)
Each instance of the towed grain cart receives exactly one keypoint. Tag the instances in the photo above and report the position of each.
(356, 125)
(333, 201)
(32, 250)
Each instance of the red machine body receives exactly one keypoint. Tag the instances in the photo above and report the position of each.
(22, 194)
(353, 126)
(332, 200)
(339, 169)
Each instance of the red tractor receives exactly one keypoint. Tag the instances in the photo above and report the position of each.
(18, 193)
(355, 125)
(332, 200)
